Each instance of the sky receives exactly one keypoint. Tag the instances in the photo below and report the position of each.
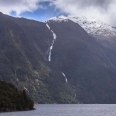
(41, 10)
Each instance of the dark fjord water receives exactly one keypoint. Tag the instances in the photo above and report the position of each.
(67, 110)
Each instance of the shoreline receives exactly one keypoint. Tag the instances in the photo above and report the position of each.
(10, 110)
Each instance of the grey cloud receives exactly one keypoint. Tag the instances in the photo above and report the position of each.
(98, 3)
(10, 2)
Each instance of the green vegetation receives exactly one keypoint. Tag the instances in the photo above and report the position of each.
(24, 46)
(12, 99)
(89, 66)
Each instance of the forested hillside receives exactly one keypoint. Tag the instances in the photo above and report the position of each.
(11, 99)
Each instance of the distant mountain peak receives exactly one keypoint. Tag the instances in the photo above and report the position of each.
(91, 25)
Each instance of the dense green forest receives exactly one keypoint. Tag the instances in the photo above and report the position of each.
(11, 99)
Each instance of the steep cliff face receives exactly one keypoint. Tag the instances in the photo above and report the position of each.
(88, 64)
(24, 52)
(57, 61)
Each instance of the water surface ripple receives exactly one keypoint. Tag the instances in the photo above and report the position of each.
(67, 110)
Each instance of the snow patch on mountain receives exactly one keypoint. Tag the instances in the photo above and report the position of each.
(52, 44)
(58, 19)
(92, 26)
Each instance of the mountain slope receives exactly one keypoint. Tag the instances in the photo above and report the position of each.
(84, 62)
(57, 61)
(24, 47)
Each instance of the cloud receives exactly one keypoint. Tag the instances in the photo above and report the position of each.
(19, 6)
(99, 9)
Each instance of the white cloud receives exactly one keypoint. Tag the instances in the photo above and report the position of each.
(19, 6)
(104, 10)
(99, 9)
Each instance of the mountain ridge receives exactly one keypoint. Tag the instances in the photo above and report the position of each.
(91, 25)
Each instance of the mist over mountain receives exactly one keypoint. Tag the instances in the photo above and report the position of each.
(63, 60)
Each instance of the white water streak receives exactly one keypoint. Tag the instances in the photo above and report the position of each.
(26, 89)
(66, 80)
(75, 95)
(48, 26)
(54, 35)
(52, 44)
